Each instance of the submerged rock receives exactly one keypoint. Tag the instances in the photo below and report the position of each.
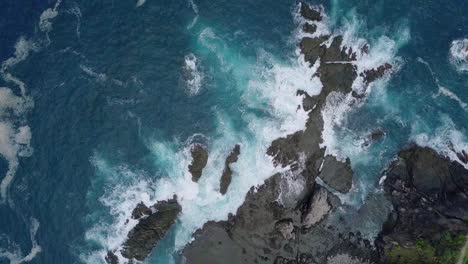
(152, 226)
(429, 195)
(337, 174)
(199, 160)
(227, 172)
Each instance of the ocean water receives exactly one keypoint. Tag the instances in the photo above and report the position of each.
(101, 100)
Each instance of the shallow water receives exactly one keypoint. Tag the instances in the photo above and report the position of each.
(116, 91)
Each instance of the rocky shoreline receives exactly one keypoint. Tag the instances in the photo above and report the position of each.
(428, 192)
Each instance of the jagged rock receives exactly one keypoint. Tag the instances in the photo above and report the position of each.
(152, 226)
(286, 228)
(337, 174)
(111, 258)
(227, 172)
(463, 156)
(309, 28)
(309, 13)
(199, 160)
(265, 229)
(429, 194)
(140, 211)
(374, 74)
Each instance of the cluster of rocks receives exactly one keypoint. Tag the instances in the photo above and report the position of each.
(295, 230)
(155, 221)
(428, 191)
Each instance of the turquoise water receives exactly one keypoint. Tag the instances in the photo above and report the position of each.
(111, 114)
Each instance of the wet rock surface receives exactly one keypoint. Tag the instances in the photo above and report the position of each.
(153, 225)
(226, 177)
(429, 196)
(274, 224)
(199, 160)
(337, 174)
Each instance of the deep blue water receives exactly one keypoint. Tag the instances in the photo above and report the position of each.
(113, 115)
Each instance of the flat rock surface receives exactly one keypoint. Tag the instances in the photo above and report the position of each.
(337, 174)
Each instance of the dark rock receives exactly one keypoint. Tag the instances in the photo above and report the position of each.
(337, 174)
(312, 48)
(309, 28)
(111, 258)
(463, 156)
(377, 134)
(279, 225)
(374, 135)
(227, 172)
(429, 195)
(141, 210)
(365, 49)
(374, 74)
(149, 230)
(199, 160)
(309, 13)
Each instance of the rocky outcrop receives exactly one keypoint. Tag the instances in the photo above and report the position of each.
(310, 14)
(429, 196)
(227, 172)
(153, 225)
(277, 225)
(199, 160)
(374, 74)
(337, 174)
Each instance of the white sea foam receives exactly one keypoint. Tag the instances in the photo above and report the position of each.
(192, 74)
(195, 10)
(15, 256)
(45, 20)
(380, 51)
(76, 11)
(443, 90)
(14, 134)
(266, 85)
(101, 78)
(23, 48)
(459, 54)
(451, 95)
(140, 3)
(447, 139)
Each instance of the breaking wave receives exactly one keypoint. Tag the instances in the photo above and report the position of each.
(267, 108)
(459, 54)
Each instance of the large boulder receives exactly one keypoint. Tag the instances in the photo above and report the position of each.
(226, 177)
(154, 222)
(199, 161)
